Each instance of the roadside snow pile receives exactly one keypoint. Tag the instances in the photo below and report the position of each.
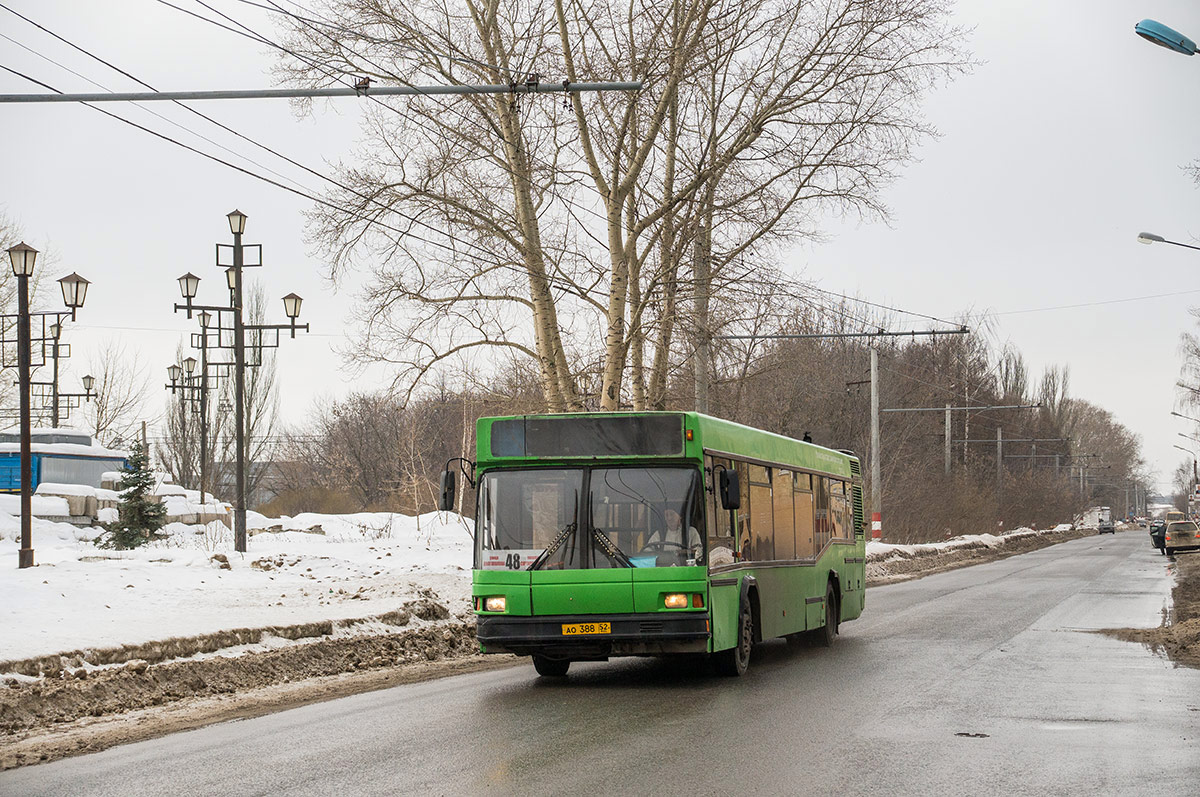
(305, 569)
(882, 551)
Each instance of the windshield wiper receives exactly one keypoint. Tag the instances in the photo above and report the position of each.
(554, 545)
(613, 552)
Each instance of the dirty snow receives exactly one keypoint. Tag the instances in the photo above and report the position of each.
(315, 567)
(877, 551)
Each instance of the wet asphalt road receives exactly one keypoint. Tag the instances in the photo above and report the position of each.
(1001, 650)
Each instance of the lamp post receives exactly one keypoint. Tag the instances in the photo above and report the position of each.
(194, 388)
(188, 286)
(1185, 417)
(1193, 453)
(59, 351)
(22, 258)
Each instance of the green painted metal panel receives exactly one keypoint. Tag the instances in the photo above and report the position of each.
(606, 591)
(648, 595)
(723, 607)
(781, 595)
(669, 573)
(512, 584)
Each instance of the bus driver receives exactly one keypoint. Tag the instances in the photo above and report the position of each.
(670, 539)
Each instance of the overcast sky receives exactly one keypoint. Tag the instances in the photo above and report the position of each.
(1068, 139)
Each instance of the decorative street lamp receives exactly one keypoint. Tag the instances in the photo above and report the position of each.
(22, 258)
(61, 403)
(188, 286)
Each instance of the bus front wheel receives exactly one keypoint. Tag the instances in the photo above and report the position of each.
(736, 660)
(554, 668)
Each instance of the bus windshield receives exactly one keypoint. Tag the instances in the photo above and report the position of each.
(572, 518)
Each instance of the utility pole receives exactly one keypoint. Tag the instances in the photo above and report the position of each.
(703, 344)
(876, 466)
(876, 461)
(948, 434)
(999, 463)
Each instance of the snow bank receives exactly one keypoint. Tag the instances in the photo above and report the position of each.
(43, 505)
(56, 488)
(877, 551)
(303, 569)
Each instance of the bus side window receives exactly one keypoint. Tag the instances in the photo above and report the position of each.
(719, 529)
(837, 509)
(805, 538)
(785, 519)
(821, 511)
(762, 548)
(743, 514)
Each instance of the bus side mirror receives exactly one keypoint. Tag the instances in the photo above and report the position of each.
(731, 494)
(446, 502)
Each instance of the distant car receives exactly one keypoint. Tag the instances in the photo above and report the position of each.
(1158, 530)
(1106, 527)
(1181, 536)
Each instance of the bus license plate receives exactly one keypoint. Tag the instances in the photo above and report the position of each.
(576, 629)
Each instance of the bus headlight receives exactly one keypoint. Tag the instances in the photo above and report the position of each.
(676, 600)
(496, 603)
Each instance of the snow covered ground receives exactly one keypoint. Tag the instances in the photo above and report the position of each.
(302, 569)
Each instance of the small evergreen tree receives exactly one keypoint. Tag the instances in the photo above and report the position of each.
(139, 517)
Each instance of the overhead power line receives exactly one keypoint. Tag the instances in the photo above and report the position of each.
(879, 334)
(363, 91)
(1099, 303)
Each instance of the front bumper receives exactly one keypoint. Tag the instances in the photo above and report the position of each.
(632, 635)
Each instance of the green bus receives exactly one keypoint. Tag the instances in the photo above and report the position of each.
(658, 533)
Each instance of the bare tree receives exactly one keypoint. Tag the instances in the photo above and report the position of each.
(180, 449)
(122, 392)
(261, 405)
(559, 232)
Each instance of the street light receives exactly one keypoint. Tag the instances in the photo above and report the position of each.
(1193, 453)
(60, 411)
(237, 222)
(189, 283)
(1185, 417)
(291, 308)
(23, 258)
(1160, 34)
(1150, 238)
(233, 279)
(1189, 437)
(74, 291)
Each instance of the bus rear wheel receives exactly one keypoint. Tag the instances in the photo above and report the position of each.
(553, 668)
(824, 636)
(735, 661)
